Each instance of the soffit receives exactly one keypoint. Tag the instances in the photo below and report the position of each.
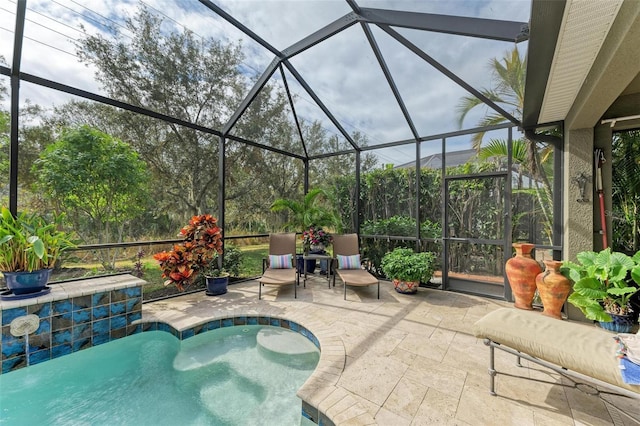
(633, 87)
(584, 28)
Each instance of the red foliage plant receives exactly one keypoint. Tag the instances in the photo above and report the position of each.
(202, 244)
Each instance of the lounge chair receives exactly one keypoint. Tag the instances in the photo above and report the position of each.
(280, 267)
(348, 267)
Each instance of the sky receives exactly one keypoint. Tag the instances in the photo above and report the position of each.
(342, 70)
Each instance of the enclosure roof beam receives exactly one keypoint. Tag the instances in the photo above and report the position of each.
(444, 70)
(293, 110)
(389, 77)
(118, 104)
(492, 29)
(255, 90)
(321, 105)
(266, 147)
(322, 34)
(233, 21)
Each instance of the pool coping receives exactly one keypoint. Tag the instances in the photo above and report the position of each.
(323, 401)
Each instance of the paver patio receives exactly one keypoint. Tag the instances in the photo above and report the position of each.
(403, 359)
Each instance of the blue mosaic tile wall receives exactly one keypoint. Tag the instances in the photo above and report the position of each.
(70, 325)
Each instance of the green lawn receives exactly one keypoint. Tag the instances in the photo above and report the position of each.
(251, 267)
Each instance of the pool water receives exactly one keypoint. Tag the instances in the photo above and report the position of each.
(220, 377)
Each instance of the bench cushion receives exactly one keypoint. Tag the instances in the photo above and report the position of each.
(579, 347)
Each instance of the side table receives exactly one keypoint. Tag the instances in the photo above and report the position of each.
(326, 257)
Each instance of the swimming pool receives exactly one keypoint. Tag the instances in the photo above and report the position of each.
(220, 377)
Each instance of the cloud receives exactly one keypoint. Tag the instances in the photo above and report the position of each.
(343, 71)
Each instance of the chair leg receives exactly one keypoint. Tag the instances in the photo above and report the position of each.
(259, 290)
(378, 289)
(345, 291)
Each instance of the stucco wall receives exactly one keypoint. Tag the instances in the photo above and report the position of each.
(577, 215)
(602, 140)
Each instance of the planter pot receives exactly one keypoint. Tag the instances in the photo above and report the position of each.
(311, 266)
(521, 272)
(619, 323)
(553, 288)
(23, 283)
(406, 287)
(316, 248)
(216, 285)
(300, 263)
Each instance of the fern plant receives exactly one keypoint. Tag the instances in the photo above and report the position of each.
(603, 283)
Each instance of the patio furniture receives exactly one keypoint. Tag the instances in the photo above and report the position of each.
(346, 252)
(279, 268)
(322, 257)
(577, 351)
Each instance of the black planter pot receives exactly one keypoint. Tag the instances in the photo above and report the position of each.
(216, 285)
(300, 263)
(311, 263)
(24, 283)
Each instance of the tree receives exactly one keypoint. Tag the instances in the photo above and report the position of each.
(626, 191)
(5, 125)
(99, 182)
(177, 74)
(310, 212)
(508, 90)
(33, 136)
(508, 77)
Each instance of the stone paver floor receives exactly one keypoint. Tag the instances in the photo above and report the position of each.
(402, 359)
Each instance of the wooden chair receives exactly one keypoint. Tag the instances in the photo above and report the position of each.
(350, 272)
(280, 268)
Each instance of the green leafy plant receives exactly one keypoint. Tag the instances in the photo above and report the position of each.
(231, 263)
(310, 212)
(30, 242)
(406, 265)
(601, 283)
(374, 249)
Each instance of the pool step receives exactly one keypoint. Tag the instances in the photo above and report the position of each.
(285, 342)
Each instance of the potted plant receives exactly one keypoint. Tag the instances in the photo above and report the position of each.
(314, 241)
(29, 248)
(216, 278)
(194, 256)
(308, 217)
(407, 268)
(603, 284)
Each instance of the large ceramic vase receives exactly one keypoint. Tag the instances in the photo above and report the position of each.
(553, 288)
(521, 272)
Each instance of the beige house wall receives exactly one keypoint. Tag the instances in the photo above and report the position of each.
(577, 214)
(578, 224)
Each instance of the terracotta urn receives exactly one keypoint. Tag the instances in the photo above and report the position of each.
(553, 288)
(521, 272)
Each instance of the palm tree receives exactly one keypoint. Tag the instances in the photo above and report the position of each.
(520, 154)
(509, 75)
(309, 212)
(509, 78)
